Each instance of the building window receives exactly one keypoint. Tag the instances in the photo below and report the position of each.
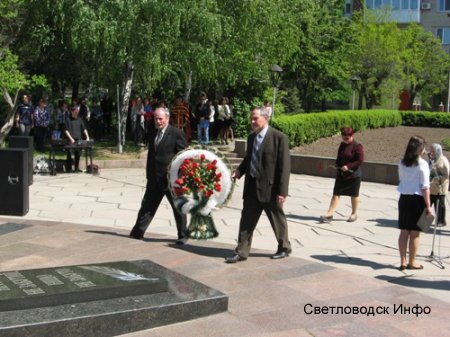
(402, 4)
(444, 35)
(444, 5)
(348, 8)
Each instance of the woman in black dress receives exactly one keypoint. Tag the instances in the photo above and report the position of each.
(348, 178)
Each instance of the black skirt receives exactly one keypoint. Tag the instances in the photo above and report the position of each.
(410, 208)
(345, 186)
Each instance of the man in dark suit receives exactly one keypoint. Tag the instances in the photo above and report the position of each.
(164, 142)
(267, 167)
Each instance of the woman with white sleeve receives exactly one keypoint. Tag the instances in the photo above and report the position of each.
(414, 188)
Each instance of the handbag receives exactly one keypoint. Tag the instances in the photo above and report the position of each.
(425, 221)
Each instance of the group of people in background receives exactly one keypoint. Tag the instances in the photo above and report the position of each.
(43, 121)
(208, 119)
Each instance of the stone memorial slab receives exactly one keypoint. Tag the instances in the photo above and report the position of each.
(184, 299)
(36, 288)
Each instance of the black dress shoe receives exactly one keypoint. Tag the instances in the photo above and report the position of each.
(182, 241)
(279, 255)
(235, 258)
(136, 237)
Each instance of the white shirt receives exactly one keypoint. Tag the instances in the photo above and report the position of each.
(413, 178)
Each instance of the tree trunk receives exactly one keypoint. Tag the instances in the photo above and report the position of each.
(126, 94)
(188, 87)
(9, 120)
(75, 90)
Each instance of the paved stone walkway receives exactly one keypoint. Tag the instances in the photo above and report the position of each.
(348, 264)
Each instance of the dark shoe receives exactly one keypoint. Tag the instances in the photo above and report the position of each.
(235, 258)
(326, 219)
(410, 267)
(182, 241)
(77, 170)
(136, 237)
(279, 255)
(401, 268)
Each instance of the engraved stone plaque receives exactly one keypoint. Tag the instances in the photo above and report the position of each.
(25, 289)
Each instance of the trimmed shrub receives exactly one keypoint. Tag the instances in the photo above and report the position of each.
(307, 128)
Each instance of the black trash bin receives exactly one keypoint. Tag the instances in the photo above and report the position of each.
(24, 142)
(14, 188)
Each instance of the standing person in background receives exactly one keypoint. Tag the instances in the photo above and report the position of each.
(348, 177)
(165, 141)
(148, 118)
(439, 171)
(267, 168)
(202, 113)
(24, 116)
(180, 116)
(107, 108)
(96, 120)
(137, 118)
(223, 120)
(414, 188)
(62, 112)
(84, 111)
(74, 129)
(41, 117)
(213, 129)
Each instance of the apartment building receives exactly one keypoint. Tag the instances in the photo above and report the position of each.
(433, 15)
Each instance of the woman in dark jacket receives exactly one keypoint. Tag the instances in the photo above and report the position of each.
(348, 178)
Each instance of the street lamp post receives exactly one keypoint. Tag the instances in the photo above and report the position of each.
(275, 75)
(354, 80)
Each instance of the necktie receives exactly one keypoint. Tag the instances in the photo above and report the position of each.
(158, 138)
(254, 159)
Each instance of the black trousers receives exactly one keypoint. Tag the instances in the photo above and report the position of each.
(149, 206)
(251, 212)
(75, 162)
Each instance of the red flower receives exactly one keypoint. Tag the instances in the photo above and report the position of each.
(199, 177)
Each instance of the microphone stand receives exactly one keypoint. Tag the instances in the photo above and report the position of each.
(433, 258)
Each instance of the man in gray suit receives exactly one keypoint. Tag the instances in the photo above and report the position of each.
(164, 142)
(267, 167)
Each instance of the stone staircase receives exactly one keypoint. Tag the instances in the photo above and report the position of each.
(228, 152)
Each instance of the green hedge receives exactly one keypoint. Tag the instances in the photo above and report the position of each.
(307, 128)
(426, 119)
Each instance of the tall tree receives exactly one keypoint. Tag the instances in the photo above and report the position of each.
(12, 77)
(320, 66)
(425, 63)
